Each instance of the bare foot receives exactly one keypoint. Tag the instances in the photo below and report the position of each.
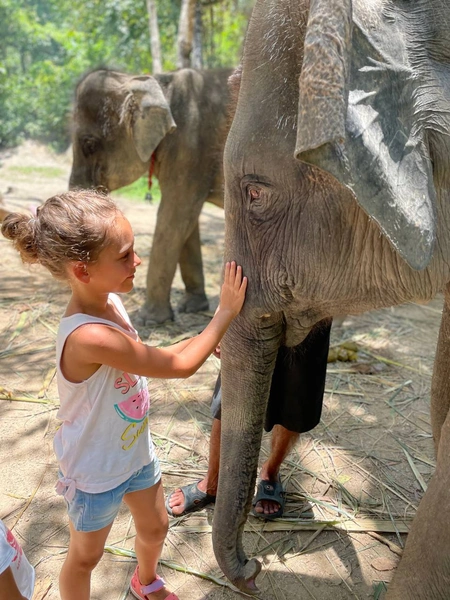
(176, 502)
(267, 507)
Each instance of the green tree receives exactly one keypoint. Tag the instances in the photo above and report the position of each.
(47, 45)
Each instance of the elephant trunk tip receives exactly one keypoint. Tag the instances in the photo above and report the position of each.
(246, 582)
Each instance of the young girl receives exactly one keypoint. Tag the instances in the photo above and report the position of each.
(103, 446)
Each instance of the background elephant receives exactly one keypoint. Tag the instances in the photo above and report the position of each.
(175, 124)
(337, 200)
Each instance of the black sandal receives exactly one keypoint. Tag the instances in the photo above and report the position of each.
(272, 491)
(194, 499)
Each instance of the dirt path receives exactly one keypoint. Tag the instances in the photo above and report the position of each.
(365, 464)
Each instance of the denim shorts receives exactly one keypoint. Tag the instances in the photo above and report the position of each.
(91, 512)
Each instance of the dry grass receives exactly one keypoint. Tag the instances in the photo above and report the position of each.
(362, 470)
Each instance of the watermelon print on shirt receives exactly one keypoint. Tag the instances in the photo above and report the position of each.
(135, 408)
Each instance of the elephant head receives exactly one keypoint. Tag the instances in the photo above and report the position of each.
(119, 121)
(336, 198)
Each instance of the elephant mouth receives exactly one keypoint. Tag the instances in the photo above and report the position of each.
(294, 327)
(297, 327)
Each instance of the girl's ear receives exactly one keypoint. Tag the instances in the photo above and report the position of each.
(80, 272)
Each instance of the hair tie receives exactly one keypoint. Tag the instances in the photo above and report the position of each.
(33, 210)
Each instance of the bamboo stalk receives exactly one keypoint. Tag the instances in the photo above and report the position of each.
(176, 567)
(26, 399)
(355, 525)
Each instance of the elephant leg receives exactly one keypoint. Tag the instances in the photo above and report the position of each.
(191, 267)
(424, 570)
(161, 271)
(174, 224)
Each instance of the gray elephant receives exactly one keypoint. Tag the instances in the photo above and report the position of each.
(337, 200)
(174, 125)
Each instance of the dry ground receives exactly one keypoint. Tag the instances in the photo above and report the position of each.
(363, 468)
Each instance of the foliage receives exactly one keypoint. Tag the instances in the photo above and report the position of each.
(224, 26)
(47, 45)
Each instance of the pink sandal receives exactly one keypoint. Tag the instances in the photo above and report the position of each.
(142, 591)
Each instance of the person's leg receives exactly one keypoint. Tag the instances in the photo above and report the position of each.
(85, 551)
(295, 401)
(282, 443)
(151, 522)
(208, 484)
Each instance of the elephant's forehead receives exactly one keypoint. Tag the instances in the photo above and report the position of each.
(99, 94)
(99, 113)
(266, 111)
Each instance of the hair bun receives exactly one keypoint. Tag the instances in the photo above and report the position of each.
(21, 230)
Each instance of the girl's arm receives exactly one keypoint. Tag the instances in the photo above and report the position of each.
(96, 344)
(179, 346)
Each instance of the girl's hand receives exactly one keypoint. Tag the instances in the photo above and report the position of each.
(233, 289)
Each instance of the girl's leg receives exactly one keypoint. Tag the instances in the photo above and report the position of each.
(85, 551)
(151, 522)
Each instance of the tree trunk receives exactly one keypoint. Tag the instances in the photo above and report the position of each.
(197, 50)
(155, 44)
(185, 33)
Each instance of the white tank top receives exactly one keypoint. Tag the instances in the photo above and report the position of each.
(104, 437)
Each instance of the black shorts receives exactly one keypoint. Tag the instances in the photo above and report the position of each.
(298, 383)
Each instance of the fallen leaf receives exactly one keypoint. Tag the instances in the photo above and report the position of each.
(383, 564)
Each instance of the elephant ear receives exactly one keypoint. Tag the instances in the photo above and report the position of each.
(151, 118)
(357, 120)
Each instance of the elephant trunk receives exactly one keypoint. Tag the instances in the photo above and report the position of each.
(246, 377)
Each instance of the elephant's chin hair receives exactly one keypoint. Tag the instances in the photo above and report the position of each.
(246, 583)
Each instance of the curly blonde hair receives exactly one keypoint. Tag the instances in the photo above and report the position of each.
(72, 226)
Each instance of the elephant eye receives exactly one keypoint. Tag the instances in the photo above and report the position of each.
(254, 193)
(89, 146)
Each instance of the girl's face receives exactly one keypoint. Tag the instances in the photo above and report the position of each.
(115, 267)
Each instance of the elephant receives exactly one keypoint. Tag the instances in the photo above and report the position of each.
(337, 201)
(172, 124)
